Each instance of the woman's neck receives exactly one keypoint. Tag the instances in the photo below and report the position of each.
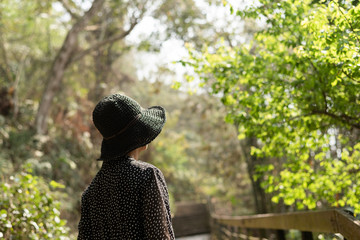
(134, 154)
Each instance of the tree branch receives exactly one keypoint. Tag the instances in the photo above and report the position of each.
(82, 22)
(312, 64)
(6, 68)
(343, 117)
(65, 4)
(347, 20)
(105, 42)
(350, 77)
(59, 66)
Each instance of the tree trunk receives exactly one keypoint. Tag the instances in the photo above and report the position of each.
(59, 65)
(259, 194)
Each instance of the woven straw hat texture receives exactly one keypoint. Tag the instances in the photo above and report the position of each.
(125, 125)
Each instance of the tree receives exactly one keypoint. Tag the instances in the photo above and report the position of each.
(25, 47)
(66, 54)
(107, 23)
(296, 88)
(65, 38)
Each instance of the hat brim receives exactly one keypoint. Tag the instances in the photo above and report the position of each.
(142, 132)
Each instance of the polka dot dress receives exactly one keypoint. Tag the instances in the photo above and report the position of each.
(127, 199)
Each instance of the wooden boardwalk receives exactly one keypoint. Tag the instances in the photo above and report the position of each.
(192, 222)
(191, 219)
(197, 237)
(323, 221)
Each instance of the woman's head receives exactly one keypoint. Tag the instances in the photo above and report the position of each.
(125, 125)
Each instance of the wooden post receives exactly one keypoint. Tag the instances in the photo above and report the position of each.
(222, 230)
(247, 230)
(280, 234)
(218, 231)
(262, 233)
(232, 232)
(306, 236)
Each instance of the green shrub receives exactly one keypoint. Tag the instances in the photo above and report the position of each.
(28, 209)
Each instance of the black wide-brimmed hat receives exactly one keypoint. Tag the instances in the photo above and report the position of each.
(125, 125)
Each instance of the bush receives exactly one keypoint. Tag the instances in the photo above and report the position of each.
(28, 209)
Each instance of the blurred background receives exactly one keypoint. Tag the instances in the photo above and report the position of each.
(201, 60)
(58, 61)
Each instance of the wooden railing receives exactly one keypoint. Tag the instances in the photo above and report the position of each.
(191, 218)
(246, 227)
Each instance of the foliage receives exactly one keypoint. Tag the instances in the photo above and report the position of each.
(32, 33)
(196, 154)
(25, 47)
(66, 156)
(199, 156)
(28, 209)
(296, 88)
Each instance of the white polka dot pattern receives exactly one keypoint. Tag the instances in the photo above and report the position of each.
(127, 199)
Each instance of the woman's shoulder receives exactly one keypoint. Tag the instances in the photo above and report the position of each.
(151, 175)
(144, 166)
(147, 169)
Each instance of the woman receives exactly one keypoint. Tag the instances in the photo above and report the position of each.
(128, 198)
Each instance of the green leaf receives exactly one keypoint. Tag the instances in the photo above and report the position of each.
(56, 184)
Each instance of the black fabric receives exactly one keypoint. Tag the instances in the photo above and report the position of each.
(128, 199)
(112, 116)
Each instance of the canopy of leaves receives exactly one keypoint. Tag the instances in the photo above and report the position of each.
(296, 87)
